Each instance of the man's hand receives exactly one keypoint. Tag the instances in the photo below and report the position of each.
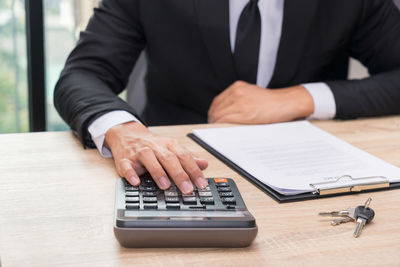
(246, 103)
(136, 150)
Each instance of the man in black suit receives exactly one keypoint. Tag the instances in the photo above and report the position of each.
(212, 60)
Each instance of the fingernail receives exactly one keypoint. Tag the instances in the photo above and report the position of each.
(134, 180)
(186, 187)
(164, 183)
(201, 182)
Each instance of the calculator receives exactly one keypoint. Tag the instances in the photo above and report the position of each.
(216, 216)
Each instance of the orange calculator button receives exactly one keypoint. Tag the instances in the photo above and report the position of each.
(220, 180)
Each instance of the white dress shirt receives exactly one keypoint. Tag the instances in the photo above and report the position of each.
(271, 29)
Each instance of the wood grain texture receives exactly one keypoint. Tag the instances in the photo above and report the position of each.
(57, 202)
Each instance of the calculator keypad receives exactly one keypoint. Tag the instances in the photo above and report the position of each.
(217, 195)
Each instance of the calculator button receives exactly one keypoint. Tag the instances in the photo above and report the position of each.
(150, 206)
(131, 188)
(149, 194)
(149, 199)
(189, 200)
(228, 200)
(224, 189)
(205, 194)
(170, 194)
(132, 206)
(131, 199)
(148, 182)
(173, 206)
(222, 184)
(220, 180)
(172, 188)
(207, 200)
(226, 194)
(148, 188)
(172, 199)
(132, 193)
(207, 188)
(189, 195)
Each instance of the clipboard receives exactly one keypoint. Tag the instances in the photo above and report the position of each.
(320, 190)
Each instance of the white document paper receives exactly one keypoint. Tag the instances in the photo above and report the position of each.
(289, 157)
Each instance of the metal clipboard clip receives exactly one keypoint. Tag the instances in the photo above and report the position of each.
(346, 183)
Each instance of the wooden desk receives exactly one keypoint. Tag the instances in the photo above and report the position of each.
(57, 203)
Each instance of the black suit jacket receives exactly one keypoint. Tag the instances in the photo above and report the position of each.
(190, 59)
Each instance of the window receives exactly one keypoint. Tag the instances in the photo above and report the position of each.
(13, 68)
(64, 19)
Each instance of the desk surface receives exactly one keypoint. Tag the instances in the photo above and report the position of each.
(57, 202)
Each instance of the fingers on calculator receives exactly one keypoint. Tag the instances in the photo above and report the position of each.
(362, 215)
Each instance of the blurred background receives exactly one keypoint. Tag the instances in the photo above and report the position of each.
(63, 20)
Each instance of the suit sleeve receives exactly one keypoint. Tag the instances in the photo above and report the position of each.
(98, 68)
(376, 43)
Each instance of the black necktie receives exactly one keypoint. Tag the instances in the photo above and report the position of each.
(247, 45)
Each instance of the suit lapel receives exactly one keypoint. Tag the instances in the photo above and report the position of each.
(297, 19)
(213, 20)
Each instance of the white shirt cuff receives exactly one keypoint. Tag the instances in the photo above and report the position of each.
(324, 101)
(101, 125)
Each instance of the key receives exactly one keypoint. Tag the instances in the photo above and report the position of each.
(228, 200)
(148, 188)
(189, 200)
(149, 194)
(131, 199)
(207, 188)
(173, 206)
(149, 199)
(132, 193)
(224, 189)
(170, 194)
(150, 206)
(207, 200)
(205, 194)
(148, 182)
(364, 215)
(172, 187)
(193, 194)
(132, 206)
(131, 188)
(341, 220)
(226, 194)
(347, 215)
(172, 199)
(348, 218)
(340, 213)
